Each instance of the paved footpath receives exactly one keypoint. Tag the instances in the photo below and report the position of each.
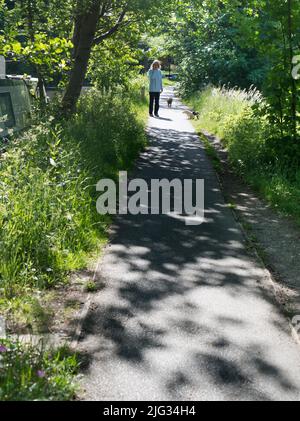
(185, 312)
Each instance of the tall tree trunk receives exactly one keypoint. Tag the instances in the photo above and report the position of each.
(84, 35)
(293, 82)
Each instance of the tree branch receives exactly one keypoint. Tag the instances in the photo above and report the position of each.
(112, 30)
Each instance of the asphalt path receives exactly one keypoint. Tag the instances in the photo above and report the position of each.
(185, 312)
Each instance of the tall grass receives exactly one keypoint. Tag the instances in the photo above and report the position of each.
(29, 373)
(48, 218)
(219, 107)
(237, 117)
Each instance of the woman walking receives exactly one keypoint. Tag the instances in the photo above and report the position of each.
(155, 87)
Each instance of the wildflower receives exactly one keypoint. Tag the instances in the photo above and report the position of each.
(53, 163)
(41, 374)
(3, 348)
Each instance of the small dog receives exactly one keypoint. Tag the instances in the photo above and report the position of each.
(192, 115)
(170, 102)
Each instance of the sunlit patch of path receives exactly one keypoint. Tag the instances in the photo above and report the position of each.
(185, 313)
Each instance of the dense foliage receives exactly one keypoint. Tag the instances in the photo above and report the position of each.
(64, 39)
(207, 51)
(235, 116)
(244, 44)
(48, 215)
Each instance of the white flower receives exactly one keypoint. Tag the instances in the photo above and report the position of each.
(52, 162)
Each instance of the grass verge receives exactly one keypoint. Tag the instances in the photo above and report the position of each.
(211, 153)
(231, 114)
(49, 228)
(48, 221)
(30, 373)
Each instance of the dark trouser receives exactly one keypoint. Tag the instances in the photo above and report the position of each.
(154, 98)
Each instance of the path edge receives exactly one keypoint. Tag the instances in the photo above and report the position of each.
(270, 278)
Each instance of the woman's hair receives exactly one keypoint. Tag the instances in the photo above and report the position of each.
(155, 62)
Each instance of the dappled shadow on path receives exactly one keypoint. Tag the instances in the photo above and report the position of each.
(187, 304)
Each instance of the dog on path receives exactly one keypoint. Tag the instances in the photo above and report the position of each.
(170, 102)
(192, 115)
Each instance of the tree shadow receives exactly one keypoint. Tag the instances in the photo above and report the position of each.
(187, 305)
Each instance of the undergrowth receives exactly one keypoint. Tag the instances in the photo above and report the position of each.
(237, 118)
